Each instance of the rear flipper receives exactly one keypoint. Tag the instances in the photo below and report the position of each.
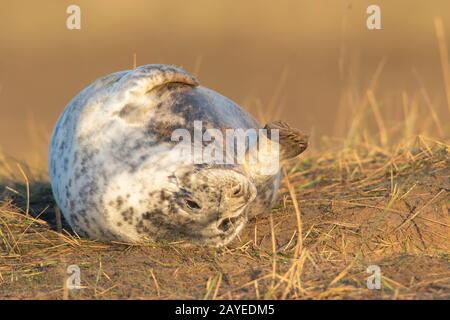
(292, 141)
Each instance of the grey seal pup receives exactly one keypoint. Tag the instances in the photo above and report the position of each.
(117, 173)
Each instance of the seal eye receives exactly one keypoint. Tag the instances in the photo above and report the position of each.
(192, 204)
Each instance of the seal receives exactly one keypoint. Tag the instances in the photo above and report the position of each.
(116, 170)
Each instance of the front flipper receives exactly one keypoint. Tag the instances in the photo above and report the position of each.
(292, 141)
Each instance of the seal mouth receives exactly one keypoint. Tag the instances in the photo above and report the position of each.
(229, 223)
(230, 226)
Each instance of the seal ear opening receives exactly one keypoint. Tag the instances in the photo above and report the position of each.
(148, 77)
(292, 141)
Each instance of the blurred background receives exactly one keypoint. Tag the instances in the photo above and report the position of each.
(310, 62)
